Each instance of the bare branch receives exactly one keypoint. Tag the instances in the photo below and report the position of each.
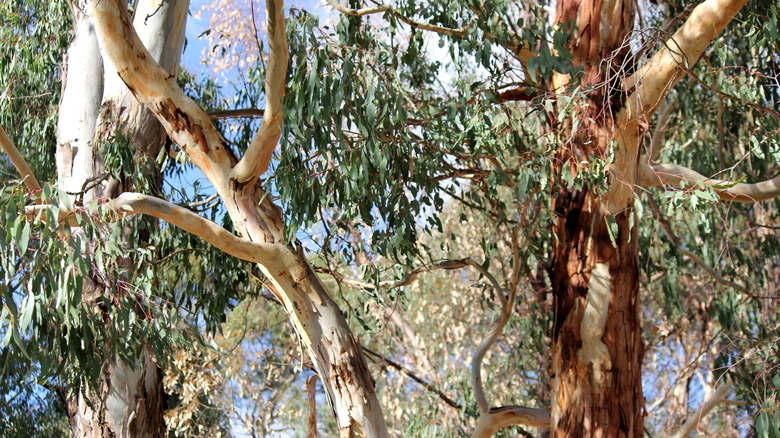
(258, 155)
(414, 23)
(227, 114)
(717, 397)
(311, 386)
(185, 122)
(667, 227)
(18, 161)
(194, 205)
(128, 204)
(449, 401)
(674, 175)
(406, 280)
(495, 331)
(496, 328)
(658, 75)
(505, 416)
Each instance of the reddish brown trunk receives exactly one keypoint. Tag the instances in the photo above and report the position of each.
(597, 345)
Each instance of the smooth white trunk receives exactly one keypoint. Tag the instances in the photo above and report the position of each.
(95, 108)
(82, 93)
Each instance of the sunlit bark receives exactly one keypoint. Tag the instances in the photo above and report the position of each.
(319, 322)
(97, 108)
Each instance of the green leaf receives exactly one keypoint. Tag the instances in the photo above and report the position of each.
(28, 309)
(23, 239)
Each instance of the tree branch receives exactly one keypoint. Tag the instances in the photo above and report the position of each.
(18, 161)
(128, 204)
(667, 227)
(674, 175)
(227, 114)
(716, 397)
(490, 339)
(658, 75)
(724, 95)
(311, 387)
(184, 121)
(258, 155)
(387, 9)
(413, 376)
(406, 280)
(505, 416)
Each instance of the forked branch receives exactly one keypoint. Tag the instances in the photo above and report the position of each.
(128, 204)
(413, 23)
(185, 122)
(18, 161)
(675, 175)
(258, 155)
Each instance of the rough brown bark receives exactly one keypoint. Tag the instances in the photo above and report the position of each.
(597, 346)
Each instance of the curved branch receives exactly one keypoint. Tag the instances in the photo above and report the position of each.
(18, 161)
(658, 75)
(414, 23)
(185, 122)
(716, 397)
(129, 204)
(674, 175)
(490, 339)
(449, 401)
(506, 416)
(258, 155)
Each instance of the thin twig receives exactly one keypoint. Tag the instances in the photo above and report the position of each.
(449, 401)
(724, 95)
(414, 23)
(244, 112)
(667, 227)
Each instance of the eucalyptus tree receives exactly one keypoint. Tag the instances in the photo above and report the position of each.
(539, 126)
(99, 123)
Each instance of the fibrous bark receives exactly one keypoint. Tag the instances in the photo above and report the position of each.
(597, 343)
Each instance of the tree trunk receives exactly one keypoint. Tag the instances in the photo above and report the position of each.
(322, 328)
(317, 319)
(597, 345)
(96, 107)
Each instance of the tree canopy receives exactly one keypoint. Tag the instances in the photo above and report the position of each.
(423, 218)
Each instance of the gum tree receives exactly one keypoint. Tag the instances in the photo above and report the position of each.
(542, 128)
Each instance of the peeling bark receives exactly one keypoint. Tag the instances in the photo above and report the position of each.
(597, 344)
(317, 319)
